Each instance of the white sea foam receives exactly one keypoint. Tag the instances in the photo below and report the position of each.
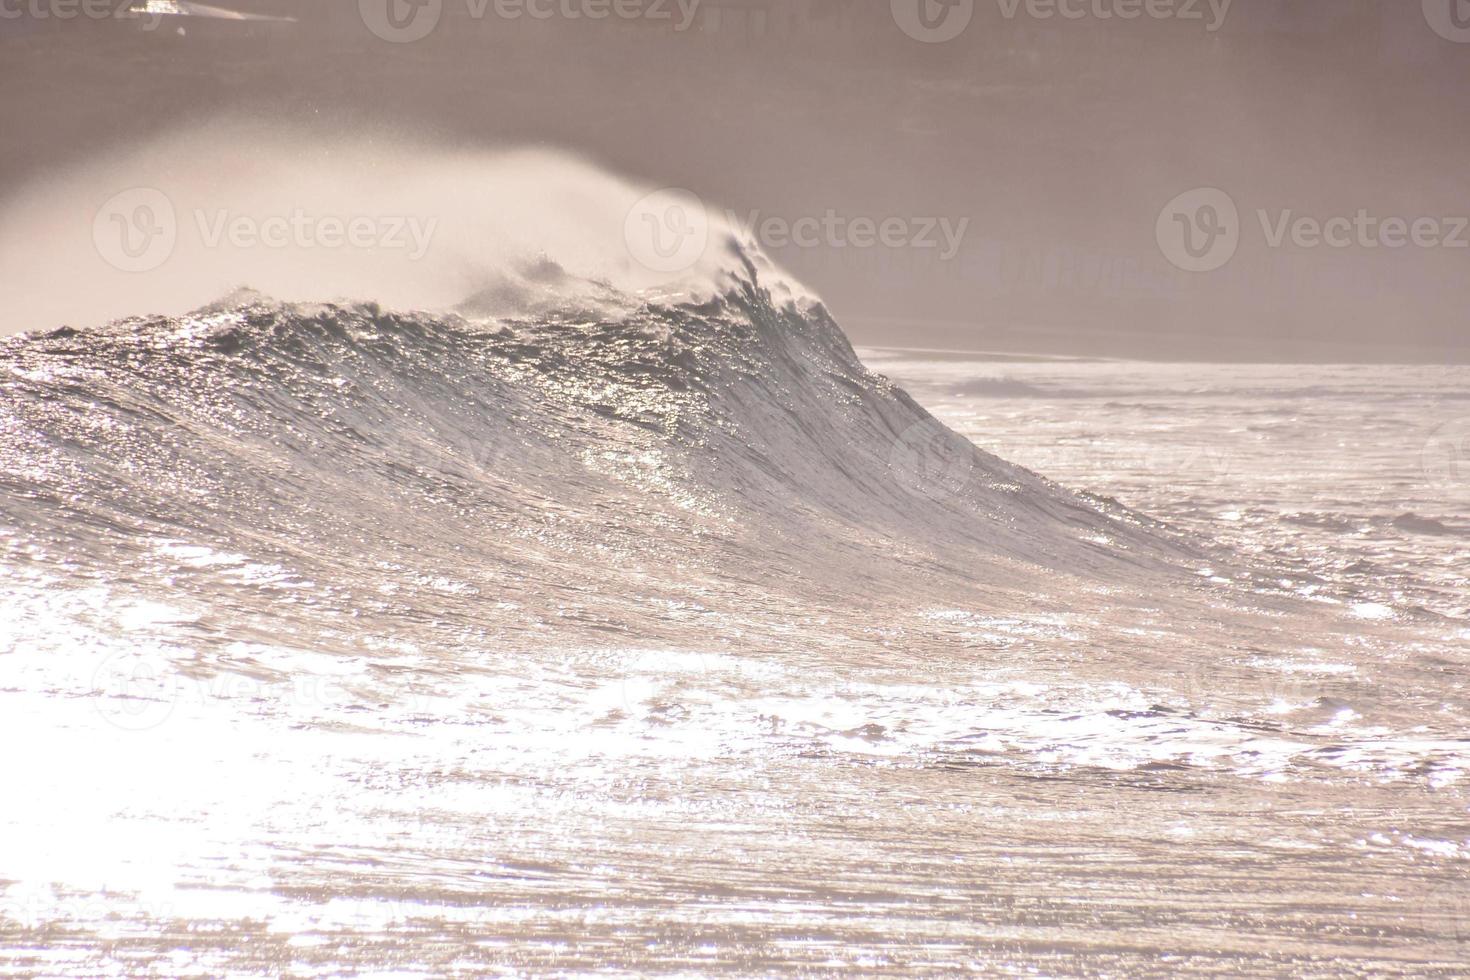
(507, 226)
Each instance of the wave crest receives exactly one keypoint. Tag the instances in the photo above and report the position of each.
(515, 230)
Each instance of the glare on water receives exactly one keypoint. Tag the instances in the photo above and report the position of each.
(656, 725)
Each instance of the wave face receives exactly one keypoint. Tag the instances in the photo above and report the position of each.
(679, 450)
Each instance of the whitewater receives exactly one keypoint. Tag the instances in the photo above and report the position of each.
(569, 621)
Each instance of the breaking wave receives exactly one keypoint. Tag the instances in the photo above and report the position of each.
(694, 482)
(733, 441)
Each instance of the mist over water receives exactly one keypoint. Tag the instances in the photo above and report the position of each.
(181, 220)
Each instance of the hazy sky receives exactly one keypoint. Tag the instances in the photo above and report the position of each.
(1257, 179)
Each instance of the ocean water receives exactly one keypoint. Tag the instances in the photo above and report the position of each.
(678, 638)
